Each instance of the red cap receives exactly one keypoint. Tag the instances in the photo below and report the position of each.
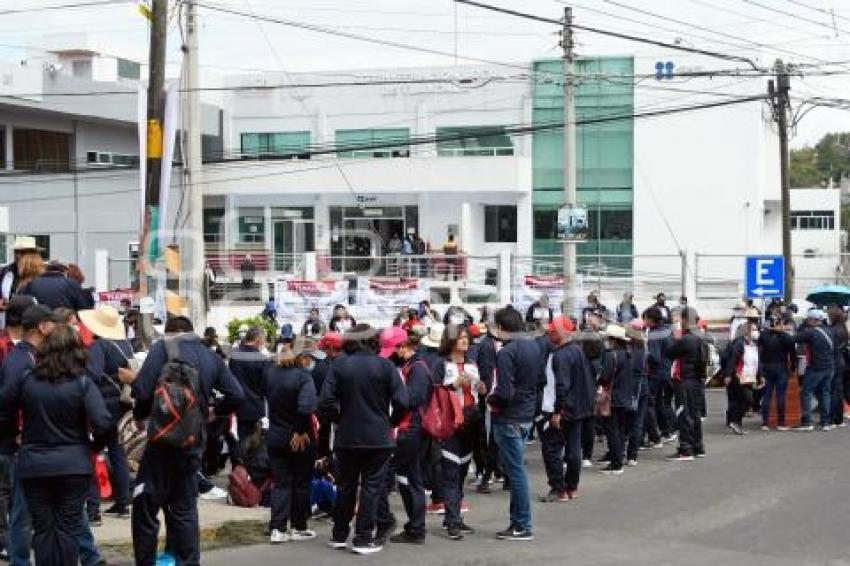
(475, 330)
(330, 341)
(391, 338)
(636, 324)
(561, 325)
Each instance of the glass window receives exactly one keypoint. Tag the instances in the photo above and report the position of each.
(382, 142)
(500, 224)
(286, 145)
(213, 231)
(813, 220)
(252, 226)
(545, 224)
(43, 243)
(129, 69)
(481, 140)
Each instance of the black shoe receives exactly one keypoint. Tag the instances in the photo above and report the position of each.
(483, 488)
(454, 533)
(119, 511)
(515, 534)
(95, 520)
(384, 532)
(466, 529)
(405, 537)
(506, 486)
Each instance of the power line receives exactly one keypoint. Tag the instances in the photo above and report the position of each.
(63, 6)
(831, 12)
(833, 28)
(617, 35)
(703, 28)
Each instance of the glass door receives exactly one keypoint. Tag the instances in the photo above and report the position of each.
(284, 236)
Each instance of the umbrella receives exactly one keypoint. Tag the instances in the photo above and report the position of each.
(830, 295)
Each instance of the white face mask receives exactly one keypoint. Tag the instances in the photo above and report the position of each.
(457, 319)
(754, 335)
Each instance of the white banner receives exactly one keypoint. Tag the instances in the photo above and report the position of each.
(169, 136)
(381, 299)
(294, 298)
(533, 287)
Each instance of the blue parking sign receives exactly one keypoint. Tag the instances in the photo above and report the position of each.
(765, 277)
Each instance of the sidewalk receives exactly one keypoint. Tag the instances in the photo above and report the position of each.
(212, 514)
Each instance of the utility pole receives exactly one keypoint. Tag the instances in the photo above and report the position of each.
(194, 256)
(156, 107)
(779, 96)
(568, 44)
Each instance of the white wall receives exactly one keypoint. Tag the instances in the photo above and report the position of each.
(826, 244)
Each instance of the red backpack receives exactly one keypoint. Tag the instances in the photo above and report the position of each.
(241, 490)
(444, 415)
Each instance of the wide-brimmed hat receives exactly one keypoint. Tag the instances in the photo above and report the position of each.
(752, 312)
(434, 336)
(104, 321)
(24, 244)
(616, 332)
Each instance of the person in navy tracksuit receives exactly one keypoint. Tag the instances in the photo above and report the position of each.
(616, 377)
(365, 396)
(486, 360)
(289, 391)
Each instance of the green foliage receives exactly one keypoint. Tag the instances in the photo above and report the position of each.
(830, 158)
(234, 325)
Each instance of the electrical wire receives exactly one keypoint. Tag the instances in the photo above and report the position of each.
(833, 28)
(715, 54)
(72, 5)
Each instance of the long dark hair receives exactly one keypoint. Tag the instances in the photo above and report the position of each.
(61, 354)
(451, 335)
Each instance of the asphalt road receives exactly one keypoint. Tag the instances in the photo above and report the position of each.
(765, 498)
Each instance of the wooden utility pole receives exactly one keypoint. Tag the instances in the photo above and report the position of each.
(156, 106)
(779, 96)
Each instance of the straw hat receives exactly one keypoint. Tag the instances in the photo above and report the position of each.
(616, 332)
(434, 336)
(25, 243)
(104, 321)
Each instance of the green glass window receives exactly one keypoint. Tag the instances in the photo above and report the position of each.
(293, 145)
(486, 140)
(252, 226)
(375, 142)
(500, 224)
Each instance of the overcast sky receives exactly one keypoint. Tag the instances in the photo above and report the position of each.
(802, 31)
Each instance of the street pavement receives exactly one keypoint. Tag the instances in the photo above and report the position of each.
(778, 498)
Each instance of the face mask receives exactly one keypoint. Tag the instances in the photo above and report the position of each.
(311, 365)
(457, 319)
(754, 335)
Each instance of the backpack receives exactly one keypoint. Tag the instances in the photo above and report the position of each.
(176, 419)
(241, 489)
(443, 416)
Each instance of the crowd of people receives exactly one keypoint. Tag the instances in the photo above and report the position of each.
(339, 416)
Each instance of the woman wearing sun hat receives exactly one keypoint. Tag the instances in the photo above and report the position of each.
(109, 365)
(616, 377)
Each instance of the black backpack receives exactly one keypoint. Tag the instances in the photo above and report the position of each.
(176, 419)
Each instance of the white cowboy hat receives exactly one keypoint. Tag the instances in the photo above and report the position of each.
(25, 243)
(104, 321)
(434, 336)
(616, 332)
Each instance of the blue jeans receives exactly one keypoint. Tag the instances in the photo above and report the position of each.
(511, 438)
(20, 528)
(89, 554)
(815, 382)
(775, 379)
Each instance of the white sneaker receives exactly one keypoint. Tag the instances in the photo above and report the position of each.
(669, 439)
(214, 493)
(306, 534)
(586, 464)
(827, 428)
(657, 445)
(804, 428)
(631, 463)
(278, 537)
(783, 428)
(338, 544)
(765, 428)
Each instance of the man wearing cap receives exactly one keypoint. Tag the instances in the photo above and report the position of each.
(689, 351)
(819, 347)
(575, 395)
(9, 273)
(14, 335)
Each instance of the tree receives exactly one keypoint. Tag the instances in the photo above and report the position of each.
(829, 159)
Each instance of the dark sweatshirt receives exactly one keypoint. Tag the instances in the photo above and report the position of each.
(247, 365)
(617, 377)
(688, 351)
(58, 417)
(575, 382)
(520, 377)
(419, 386)
(19, 361)
(357, 395)
(291, 396)
(820, 344)
(776, 348)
